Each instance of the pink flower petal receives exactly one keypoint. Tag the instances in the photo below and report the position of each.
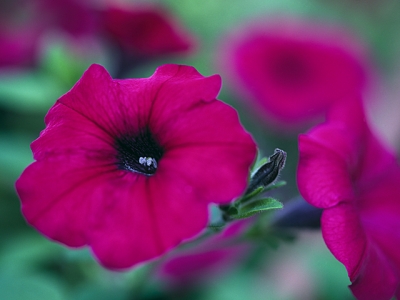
(204, 146)
(366, 157)
(207, 160)
(71, 133)
(144, 218)
(379, 207)
(159, 97)
(61, 207)
(100, 100)
(322, 174)
(344, 236)
(376, 280)
(371, 270)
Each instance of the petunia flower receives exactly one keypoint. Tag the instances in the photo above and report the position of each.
(129, 167)
(17, 48)
(292, 70)
(18, 38)
(144, 30)
(209, 259)
(346, 171)
(77, 18)
(24, 22)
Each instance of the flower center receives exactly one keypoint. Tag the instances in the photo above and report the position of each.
(138, 153)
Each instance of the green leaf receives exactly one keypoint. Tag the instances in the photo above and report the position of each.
(28, 91)
(59, 60)
(254, 193)
(257, 206)
(63, 59)
(15, 155)
(275, 185)
(258, 191)
(25, 251)
(29, 287)
(99, 292)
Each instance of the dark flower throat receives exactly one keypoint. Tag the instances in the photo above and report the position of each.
(138, 153)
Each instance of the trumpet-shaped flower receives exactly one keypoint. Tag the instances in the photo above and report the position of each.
(128, 167)
(291, 69)
(24, 22)
(345, 170)
(145, 30)
(209, 259)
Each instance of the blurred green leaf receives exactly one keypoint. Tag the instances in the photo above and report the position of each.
(65, 59)
(60, 61)
(28, 91)
(252, 194)
(15, 156)
(23, 252)
(29, 288)
(257, 206)
(98, 292)
(260, 190)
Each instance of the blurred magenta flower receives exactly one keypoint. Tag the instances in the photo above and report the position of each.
(129, 167)
(139, 31)
(17, 35)
(207, 260)
(144, 30)
(77, 18)
(17, 48)
(345, 170)
(23, 23)
(292, 69)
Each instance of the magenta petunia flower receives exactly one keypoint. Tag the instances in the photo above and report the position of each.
(210, 259)
(345, 170)
(75, 17)
(145, 30)
(292, 69)
(18, 35)
(23, 23)
(17, 48)
(128, 167)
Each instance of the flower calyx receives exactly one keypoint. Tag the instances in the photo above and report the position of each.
(262, 180)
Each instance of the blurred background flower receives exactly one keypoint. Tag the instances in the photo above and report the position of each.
(23, 24)
(144, 30)
(43, 54)
(208, 261)
(293, 69)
